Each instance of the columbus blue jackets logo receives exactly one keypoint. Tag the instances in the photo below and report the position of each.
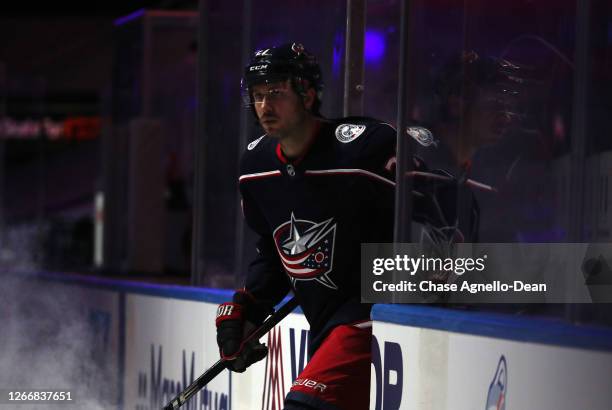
(422, 135)
(496, 399)
(348, 132)
(306, 249)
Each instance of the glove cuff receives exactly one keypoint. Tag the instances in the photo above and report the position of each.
(228, 311)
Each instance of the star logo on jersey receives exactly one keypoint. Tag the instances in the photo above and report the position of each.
(306, 249)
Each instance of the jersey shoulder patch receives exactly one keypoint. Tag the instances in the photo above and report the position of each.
(347, 132)
(422, 135)
(254, 143)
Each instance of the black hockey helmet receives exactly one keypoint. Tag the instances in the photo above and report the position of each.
(468, 69)
(467, 73)
(289, 61)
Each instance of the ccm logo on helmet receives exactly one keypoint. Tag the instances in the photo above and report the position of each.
(310, 383)
(258, 67)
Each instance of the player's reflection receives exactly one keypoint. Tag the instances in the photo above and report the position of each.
(477, 104)
(477, 139)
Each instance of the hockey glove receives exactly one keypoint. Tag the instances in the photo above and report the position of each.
(236, 320)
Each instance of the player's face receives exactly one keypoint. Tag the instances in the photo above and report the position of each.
(279, 108)
(489, 118)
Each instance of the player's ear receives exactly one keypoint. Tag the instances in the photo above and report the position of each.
(309, 98)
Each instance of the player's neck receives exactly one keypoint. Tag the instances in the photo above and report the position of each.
(297, 143)
(461, 148)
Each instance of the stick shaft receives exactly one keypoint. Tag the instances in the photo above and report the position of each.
(221, 364)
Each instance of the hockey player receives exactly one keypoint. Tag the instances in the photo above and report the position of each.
(313, 189)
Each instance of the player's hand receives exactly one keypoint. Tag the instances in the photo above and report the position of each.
(229, 328)
(252, 352)
(232, 327)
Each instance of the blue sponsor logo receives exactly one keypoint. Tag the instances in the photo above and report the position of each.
(496, 398)
(155, 390)
(389, 374)
(298, 352)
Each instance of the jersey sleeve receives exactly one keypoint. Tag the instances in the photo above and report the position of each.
(265, 278)
(379, 152)
(379, 159)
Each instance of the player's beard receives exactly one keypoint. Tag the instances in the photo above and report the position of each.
(281, 129)
(269, 123)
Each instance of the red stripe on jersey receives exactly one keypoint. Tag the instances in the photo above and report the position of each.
(279, 154)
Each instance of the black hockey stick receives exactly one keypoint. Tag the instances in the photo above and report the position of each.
(221, 364)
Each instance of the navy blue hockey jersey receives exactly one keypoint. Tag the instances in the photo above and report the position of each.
(312, 215)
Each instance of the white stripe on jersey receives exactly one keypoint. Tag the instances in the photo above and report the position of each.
(259, 175)
(363, 325)
(470, 182)
(349, 171)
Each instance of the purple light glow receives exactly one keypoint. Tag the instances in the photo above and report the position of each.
(337, 53)
(132, 16)
(374, 47)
